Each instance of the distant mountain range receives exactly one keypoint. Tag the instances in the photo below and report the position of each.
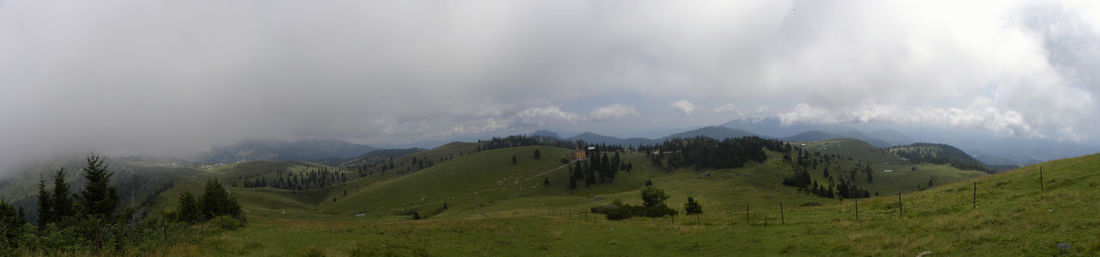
(301, 150)
(817, 135)
(716, 132)
(991, 150)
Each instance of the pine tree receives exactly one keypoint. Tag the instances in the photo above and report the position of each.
(62, 203)
(11, 225)
(188, 210)
(213, 200)
(99, 199)
(692, 207)
(44, 203)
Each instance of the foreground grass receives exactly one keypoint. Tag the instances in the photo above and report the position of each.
(1012, 217)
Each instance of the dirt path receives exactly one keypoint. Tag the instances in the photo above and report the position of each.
(548, 171)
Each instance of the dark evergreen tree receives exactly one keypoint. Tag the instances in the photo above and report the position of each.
(538, 155)
(692, 207)
(44, 204)
(215, 201)
(869, 172)
(188, 210)
(62, 202)
(11, 227)
(98, 199)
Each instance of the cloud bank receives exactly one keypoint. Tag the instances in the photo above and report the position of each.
(150, 77)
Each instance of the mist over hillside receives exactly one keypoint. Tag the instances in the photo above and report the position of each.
(299, 150)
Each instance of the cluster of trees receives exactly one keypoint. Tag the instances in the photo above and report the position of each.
(705, 152)
(376, 159)
(839, 184)
(214, 202)
(525, 140)
(521, 140)
(66, 221)
(653, 205)
(598, 167)
(940, 154)
(313, 178)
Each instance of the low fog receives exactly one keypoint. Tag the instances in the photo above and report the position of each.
(172, 78)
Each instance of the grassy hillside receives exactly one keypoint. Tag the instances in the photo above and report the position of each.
(477, 178)
(939, 154)
(892, 174)
(1012, 218)
(855, 149)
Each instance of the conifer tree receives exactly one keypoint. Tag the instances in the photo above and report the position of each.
(44, 203)
(99, 199)
(692, 207)
(188, 210)
(62, 205)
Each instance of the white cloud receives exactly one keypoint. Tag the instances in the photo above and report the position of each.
(684, 107)
(612, 112)
(728, 108)
(977, 115)
(363, 69)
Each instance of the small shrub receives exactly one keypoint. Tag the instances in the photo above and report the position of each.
(226, 223)
(312, 251)
(810, 204)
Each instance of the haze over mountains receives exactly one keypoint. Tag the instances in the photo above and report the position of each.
(988, 149)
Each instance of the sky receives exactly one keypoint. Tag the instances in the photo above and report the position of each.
(175, 77)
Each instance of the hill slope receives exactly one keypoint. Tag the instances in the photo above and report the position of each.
(301, 150)
(939, 154)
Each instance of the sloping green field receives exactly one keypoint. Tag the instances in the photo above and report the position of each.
(495, 210)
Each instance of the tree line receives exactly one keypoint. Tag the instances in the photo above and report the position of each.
(840, 183)
(307, 179)
(597, 168)
(704, 152)
(88, 220)
(653, 205)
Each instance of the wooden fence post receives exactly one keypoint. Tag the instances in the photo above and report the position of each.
(782, 219)
(1040, 179)
(857, 208)
(975, 197)
(747, 214)
(900, 210)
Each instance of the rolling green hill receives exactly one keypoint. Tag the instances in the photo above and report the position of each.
(495, 208)
(1012, 217)
(939, 154)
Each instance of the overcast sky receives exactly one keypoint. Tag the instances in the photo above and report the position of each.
(170, 77)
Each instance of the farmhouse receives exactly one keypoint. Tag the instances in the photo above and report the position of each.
(578, 154)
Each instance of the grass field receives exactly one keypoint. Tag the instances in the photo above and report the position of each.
(494, 210)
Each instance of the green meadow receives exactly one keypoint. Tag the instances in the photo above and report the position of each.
(496, 208)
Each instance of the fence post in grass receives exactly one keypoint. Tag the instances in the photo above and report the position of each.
(975, 197)
(857, 208)
(1040, 179)
(782, 219)
(900, 210)
(747, 214)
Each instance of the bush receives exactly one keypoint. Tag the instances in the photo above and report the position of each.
(226, 223)
(692, 207)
